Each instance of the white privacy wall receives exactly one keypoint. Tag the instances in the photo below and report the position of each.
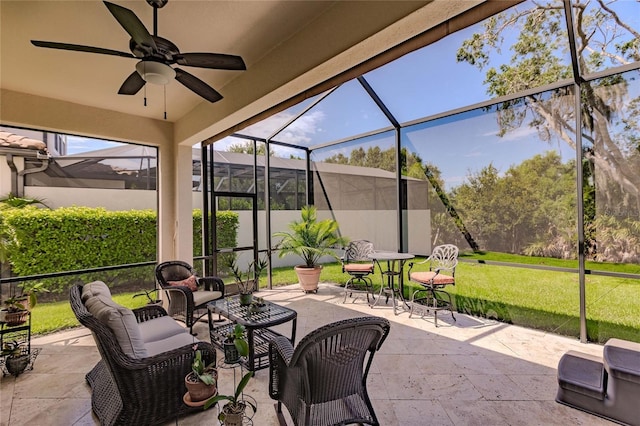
(379, 227)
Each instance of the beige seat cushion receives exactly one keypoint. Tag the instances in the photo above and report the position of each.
(121, 321)
(170, 343)
(202, 297)
(430, 277)
(159, 328)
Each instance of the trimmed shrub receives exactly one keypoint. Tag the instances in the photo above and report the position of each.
(73, 238)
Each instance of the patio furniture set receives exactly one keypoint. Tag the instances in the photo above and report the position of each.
(322, 380)
(359, 262)
(145, 349)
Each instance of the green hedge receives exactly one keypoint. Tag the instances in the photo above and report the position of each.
(226, 230)
(73, 238)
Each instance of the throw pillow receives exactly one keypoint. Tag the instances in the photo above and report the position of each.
(190, 282)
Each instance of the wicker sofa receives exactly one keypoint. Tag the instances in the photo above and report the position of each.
(145, 357)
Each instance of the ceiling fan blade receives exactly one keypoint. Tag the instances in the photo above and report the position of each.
(133, 26)
(132, 84)
(212, 60)
(80, 48)
(198, 86)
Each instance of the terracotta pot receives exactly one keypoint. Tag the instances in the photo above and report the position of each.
(16, 318)
(199, 391)
(308, 277)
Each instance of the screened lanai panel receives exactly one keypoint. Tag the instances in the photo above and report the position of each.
(356, 183)
(609, 36)
(612, 169)
(500, 178)
(500, 181)
(287, 189)
(493, 58)
(347, 111)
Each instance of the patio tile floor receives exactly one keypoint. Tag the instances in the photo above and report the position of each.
(470, 372)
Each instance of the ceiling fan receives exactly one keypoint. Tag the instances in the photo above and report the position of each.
(155, 55)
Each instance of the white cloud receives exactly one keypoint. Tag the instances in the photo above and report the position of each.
(300, 132)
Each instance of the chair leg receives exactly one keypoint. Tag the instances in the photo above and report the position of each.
(346, 290)
(369, 286)
(279, 414)
(447, 302)
(412, 300)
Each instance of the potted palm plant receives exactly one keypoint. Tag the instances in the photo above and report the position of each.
(310, 239)
(201, 381)
(232, 413)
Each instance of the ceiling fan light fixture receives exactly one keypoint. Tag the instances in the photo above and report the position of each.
(155, 72)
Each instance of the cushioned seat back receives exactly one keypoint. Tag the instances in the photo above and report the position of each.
(173, 271)
(115, 327)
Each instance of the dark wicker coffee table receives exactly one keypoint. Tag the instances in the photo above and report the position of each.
(257, 324)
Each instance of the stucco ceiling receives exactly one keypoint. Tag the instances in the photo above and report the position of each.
(288, 46)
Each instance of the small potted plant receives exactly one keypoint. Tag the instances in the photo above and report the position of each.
(16, 311)
(233, 411)
(17, 360)
(310, 239)
(201, 382)
(247, 286)
(235, 344)
(257, 304)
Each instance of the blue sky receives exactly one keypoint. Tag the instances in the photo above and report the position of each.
(78, 145)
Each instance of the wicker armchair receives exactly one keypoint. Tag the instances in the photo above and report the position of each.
(186, 305)
(324, 380)
(357, 263)
(130, 391)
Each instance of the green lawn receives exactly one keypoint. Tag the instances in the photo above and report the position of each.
(545, 300)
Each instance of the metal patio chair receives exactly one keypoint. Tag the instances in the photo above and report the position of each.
(432, 296)
(359, 265)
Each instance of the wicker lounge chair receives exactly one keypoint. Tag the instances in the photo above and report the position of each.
(184, 304)
(127, 390)
(324, 380)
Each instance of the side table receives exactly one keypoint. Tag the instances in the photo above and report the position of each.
(395, 268)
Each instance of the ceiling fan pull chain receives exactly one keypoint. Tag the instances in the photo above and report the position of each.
(144, 67)
(165, 101)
